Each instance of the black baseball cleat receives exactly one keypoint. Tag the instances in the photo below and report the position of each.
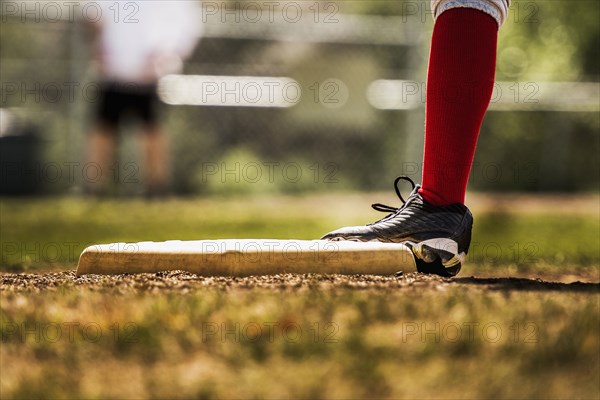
(438, 236)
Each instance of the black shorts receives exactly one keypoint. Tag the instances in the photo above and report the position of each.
(120, 101)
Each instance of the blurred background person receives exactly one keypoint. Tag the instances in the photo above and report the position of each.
(137, 43)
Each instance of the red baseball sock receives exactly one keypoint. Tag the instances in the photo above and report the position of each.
(460, 80)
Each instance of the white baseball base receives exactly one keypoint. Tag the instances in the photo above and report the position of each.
(245, 257)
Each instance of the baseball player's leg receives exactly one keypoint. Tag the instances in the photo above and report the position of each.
(102, 140)
(460, 80)
(433, 219)
(154, 141)
(156, 160)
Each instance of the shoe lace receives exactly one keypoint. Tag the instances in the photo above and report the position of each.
(394, 210)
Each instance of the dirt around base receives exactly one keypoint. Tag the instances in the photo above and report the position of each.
(183, 282)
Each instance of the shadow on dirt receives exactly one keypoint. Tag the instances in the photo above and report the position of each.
(529, 284)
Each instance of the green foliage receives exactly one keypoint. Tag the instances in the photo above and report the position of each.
(550, 41)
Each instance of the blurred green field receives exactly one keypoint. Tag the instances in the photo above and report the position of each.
(553, 236)
(430, 339)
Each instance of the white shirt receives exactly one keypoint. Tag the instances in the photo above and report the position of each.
(141, 41)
